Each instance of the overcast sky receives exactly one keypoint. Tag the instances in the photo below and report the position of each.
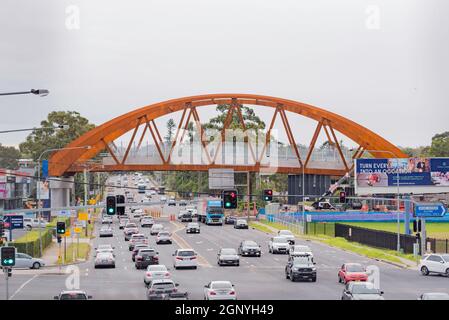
(383, 64)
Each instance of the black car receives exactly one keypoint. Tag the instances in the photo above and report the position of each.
(145, 257)
(249, 248)
(230, 219)
(300, 267)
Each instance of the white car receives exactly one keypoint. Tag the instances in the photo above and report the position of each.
(146, 222)
(163, 237)
(434, 263)
(106, 231)
(30, 223)
(434, 296)
(104, 259)
(156, 228)
(26, 261)
(137, 214)
(163, 199)
(300, 250)
(278, 245)
(123, 222)
(219, 290)
(104, 248)
(106, 220)
(156, 271)
(185, 258)
(288, 235)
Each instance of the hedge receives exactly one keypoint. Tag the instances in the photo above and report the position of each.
(31, 247)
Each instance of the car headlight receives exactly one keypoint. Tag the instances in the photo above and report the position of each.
(314, 269)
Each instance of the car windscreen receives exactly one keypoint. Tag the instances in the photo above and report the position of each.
(285, 232)
(186, 253)
(354, 268)
(193, 225)
(164, 234)
(73, 296)
(250, 244)
(301, 260)
(365, 288)
(241, 221)
(147, 252)
(279, 240)
(157, 268)
(134, 237)
(446, 257)
(222, 285)
(301, 249)
(157, 226)
(131, 225)
(436, 296)
(228, 251)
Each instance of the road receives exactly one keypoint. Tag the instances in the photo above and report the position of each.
(255, 278)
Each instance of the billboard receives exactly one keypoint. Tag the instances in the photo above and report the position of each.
(416, 175)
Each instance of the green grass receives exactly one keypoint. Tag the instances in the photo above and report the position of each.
(260, 227)
(29, 236)
(438, 230)
(84, 249)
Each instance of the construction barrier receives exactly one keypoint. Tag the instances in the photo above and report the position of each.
(155, 213)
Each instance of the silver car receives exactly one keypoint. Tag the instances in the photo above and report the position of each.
(25, 261)
(163, 237)
(123, 223)
(228, 256)
(104, 259)
(156, 228)
(73, 295)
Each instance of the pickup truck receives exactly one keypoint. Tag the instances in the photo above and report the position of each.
(30, 223)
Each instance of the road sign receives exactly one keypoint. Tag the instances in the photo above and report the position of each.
(77, 229)
(429, 209)
(14, 222)
(83, 216)
(67, 233)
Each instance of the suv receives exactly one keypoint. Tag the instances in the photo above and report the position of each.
(186, 217)
(296, 250)
(241, 224)
(278, 245)
(193, 227)
(249, 248)
(172, 202)
(434, 263)
(30, 223)
(146, 257)
(146, 222)
(300, 267)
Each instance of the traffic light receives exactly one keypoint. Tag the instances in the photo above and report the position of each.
(120, 199)
(268, 195)
(59, 238)
(60, 227)
(342, 197)
(2, 228)
(8, 256)
(111, 206)
(230, 199)
(416, 225)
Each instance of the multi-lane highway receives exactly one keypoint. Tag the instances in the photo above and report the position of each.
(255, 278)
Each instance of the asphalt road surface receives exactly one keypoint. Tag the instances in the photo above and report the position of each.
(255, 279)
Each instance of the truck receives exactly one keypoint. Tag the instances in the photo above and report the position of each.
(214, 213)
(141, 187)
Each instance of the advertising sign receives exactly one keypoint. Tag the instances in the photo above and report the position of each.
(221, 178)
(416, 175)
(43, 190)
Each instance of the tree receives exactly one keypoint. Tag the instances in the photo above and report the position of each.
(170, 131)
(251, 120)
(440, 145)
(9, 157)
(40, 140)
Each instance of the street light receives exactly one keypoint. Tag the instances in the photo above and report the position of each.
(397, 184)
(61, 126)
(39, 92)
(37, 188)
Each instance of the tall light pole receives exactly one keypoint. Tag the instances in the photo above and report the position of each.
(398, 247)
(37, 188)
(39, 92)
(62, 126)
(303, 203)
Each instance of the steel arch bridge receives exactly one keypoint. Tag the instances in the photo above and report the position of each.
(101, 138)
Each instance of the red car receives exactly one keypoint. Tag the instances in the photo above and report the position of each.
(352, 272)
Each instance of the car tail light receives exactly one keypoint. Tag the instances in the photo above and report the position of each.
(175, 290)
(149, 274)
(151, 291)
(156, 258)
(192, 258)
(212, 293)
(232, 292)
(178, 258)
(139, 258)
(167, 274)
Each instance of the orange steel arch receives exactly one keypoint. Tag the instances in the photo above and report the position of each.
(65, 161)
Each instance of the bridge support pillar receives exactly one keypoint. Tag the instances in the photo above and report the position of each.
(60, 191)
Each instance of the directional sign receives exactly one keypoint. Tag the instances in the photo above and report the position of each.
(14, 222)
(67, 233)
(429, 209)
(83, 216)
(77, 229)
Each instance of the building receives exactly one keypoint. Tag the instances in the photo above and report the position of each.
(16, 187)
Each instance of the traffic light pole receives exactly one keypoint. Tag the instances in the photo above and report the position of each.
(6, 271)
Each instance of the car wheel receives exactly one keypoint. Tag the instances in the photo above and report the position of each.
(36, 265)
(314, 279)
(339, 279)
(291, 277)
(195, 267)
(286, 275)
(424, 271)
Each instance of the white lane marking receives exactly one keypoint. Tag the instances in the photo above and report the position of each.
(199, 242)
(23, 286)
(126, 268)
(276, 259)
(210, 249)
